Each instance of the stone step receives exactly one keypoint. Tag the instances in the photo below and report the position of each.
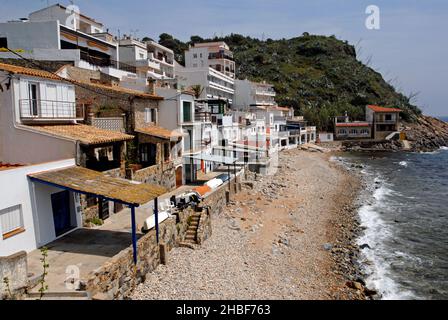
(194, 223)
(192, 228)
(186, 244)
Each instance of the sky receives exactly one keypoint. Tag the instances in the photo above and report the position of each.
(410, 49)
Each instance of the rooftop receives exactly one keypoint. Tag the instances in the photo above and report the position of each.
(7, 166)
(85, 134)
(92, 182)
(13, 69)
(353, 124)
(28, 71)
(383, 109)
(159, 132)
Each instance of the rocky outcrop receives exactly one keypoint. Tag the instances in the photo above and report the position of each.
(427, 134)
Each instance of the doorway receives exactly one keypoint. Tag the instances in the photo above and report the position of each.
(60, 203)
(179, 177)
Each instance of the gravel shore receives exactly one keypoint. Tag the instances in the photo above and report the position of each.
(290, 237)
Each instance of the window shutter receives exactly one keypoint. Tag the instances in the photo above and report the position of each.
(11, 219)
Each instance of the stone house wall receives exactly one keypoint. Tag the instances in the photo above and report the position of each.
(162, 175)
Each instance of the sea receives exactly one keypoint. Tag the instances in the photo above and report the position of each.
(404, 216)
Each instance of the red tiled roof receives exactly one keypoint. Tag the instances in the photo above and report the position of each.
(48, 75)
(7, 166)
(383, 109)
(85, 134)
(28, 71)
(353, 124)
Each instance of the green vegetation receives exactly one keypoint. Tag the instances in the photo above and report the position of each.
(319, 76)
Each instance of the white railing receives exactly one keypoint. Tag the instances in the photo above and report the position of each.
(49, 109)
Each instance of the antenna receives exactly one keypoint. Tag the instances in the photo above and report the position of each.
(134, 32)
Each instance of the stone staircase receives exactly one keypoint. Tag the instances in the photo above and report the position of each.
(191, 235)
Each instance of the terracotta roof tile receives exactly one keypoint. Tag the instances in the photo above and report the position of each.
(159, 132)
(83, 133)
(118, 89)
(383, 109)
(48, 75)
(28, 71)
(7, 166)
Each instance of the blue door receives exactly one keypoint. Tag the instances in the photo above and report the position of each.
(60, 203)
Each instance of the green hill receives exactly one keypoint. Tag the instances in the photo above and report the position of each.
(319, 76)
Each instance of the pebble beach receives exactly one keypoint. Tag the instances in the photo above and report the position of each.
(286, 236)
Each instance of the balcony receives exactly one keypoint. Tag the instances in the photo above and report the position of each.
(220, 55)
(202, 117)
(34, 110)
(107, 62)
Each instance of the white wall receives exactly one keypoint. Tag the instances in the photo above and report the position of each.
(17, 189)
(31, 35)
(21, 145)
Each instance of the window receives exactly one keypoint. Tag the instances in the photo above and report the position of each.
(142, 56)
(11, 221)
(154, 115)
(3, 43)
(388, 117)
(33, 97)
(186, 111)
(150, 115)
(342, 131)
(195, 55)
(166, 152)
(195, 65)
(353, 131)
(200, 55)
(364, 131)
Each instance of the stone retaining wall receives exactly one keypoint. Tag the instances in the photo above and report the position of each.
(117, 278)
(15, 269)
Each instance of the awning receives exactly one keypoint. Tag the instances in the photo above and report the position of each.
(162, 133)
(213, 158)
(86, 181)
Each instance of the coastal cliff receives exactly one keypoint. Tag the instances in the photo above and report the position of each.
(427, 133)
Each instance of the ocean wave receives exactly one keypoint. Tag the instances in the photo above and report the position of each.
(444, 148)
(403, 163)
(376, 256)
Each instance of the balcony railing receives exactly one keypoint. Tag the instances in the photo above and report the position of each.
(107, 62)
(36, 109)
(202, 117)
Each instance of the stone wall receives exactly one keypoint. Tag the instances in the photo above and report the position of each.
(162, 175)
(15, 269)
(118, 277)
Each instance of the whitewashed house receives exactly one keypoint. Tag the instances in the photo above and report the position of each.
(216, 55)
(27, 217)
(57, 33)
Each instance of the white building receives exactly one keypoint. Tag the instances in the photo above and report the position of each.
(216, 55)
(177, 112)
(214, 85)
(52, 34)
(162, 59)
(27, 221)
(249, 93)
